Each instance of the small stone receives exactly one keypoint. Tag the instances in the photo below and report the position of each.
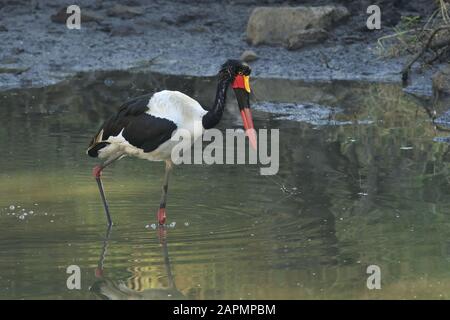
(249, 56)
(124, 12)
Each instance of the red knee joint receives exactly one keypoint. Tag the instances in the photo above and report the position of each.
(98, 272)
(162, 216)
(97, 171)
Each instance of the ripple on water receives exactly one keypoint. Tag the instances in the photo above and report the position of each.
(311, 113)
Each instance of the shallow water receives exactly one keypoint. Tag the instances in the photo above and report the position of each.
(366, 186)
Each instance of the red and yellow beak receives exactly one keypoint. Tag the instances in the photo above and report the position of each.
(242, 82)
(241, 86)
(246, 115)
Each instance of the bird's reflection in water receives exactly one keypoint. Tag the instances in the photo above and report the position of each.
(109, 289)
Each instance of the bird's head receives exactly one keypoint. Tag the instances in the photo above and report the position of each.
(239, 73)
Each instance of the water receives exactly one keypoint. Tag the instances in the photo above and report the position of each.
(368, 187)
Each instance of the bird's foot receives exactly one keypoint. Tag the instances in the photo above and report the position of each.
(162, 216)
(97, 171)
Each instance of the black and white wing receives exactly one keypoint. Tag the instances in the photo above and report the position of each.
(139, 128)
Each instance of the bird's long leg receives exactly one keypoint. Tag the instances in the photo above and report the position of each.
(162, 233)
(101, 261)
(97, 173)
(162, 204)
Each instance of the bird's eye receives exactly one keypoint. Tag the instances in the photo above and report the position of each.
(240, 73)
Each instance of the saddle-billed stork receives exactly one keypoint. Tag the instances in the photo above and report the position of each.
(142, 127)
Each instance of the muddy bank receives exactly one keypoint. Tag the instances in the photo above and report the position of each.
(180, 37)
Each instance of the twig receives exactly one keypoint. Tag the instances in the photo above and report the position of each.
(437, 56)
(417, 56)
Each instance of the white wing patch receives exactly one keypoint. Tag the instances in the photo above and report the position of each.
(176, 107)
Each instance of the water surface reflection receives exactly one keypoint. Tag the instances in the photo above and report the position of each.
(142, 284)
(346, 196)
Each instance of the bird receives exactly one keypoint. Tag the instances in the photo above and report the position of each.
(143, 126)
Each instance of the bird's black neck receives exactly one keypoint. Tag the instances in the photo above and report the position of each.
(213, 116)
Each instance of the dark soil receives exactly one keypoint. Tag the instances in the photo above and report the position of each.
(189, 38)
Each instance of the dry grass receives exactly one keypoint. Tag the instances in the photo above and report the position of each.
(427, 38)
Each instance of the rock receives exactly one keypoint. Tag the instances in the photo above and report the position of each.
(249, 56)
(303, 38)
(441, 83)
(124, 12)
(3, 28)
(86, 16)
(277, 25)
